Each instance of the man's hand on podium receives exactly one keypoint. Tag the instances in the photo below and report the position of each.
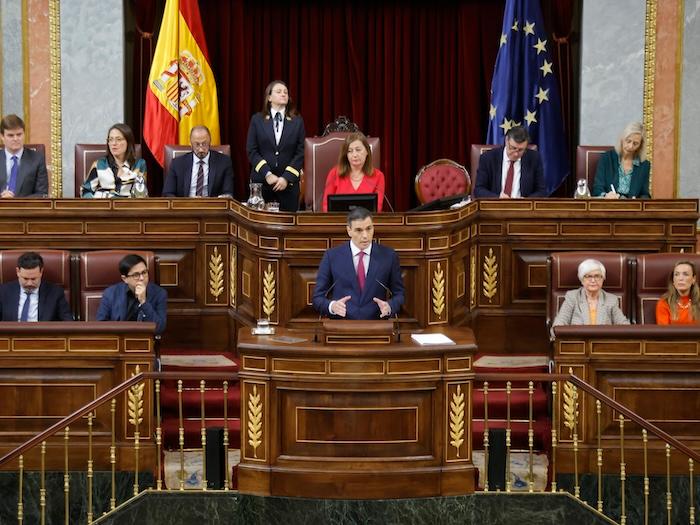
(384, 307)
(339, 307)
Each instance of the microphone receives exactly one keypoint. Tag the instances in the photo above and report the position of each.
(386, 199)
(320, 313)
(396, 314)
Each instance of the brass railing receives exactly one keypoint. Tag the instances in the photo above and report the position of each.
(135, 389)
(568, 393)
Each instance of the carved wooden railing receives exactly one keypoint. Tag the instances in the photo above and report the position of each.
(567, 395)
(135, 390)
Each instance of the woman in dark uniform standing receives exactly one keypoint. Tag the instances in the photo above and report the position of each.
(276, 147)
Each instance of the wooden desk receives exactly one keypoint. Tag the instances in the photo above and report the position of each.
(224, 265)
(360, 421)
(49, 370)
(650, 369)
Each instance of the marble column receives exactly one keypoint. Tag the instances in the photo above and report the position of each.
(12, 66)
(689, 176)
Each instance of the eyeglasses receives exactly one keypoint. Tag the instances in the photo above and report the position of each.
(596, 277)
(138, 275)
(115, 140)
(514, 149)
(200, 145)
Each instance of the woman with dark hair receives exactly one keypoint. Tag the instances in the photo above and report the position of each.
(275, 147)
(114, 175)
(681, 302)
(354, 172)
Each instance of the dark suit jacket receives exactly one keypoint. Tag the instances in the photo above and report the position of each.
(285, 159)
(337, 270)
(113, 305)
(52, 302)
(607, 173)
(32, 179)
(489, 174)
(179, 177)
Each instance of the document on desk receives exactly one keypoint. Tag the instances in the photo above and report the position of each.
(432, 339)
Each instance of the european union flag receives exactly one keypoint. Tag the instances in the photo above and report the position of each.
(524, 90)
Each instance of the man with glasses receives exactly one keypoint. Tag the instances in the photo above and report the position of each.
(512, 171)
(134, 299)
(200, 173)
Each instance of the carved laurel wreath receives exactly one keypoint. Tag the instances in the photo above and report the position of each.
(135, 400)
(570, 401)
(490, 283)
(255, 413)
(269, 291)
(216, 274)
(457, 419)
(438, 290)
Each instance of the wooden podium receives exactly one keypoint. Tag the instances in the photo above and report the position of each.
(355, 420)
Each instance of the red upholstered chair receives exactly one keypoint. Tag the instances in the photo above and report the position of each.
(652, 273)
(85, 155)
(175, 150)
(99, 270)
(562, 272)
(320, 155)
(475, 153)
(587, 162)
(441, 178)
(56, 267)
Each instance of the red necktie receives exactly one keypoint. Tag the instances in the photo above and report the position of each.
(361, 271)
(509, 179)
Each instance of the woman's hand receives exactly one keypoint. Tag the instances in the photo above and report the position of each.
(280, 185)
(612, 195)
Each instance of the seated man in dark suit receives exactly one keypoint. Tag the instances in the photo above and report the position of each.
(22, 170)
(201, 173)
(360, 274)
(512, 171)
(134, 299)
(31, 299)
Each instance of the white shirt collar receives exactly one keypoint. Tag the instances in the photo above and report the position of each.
(196, 159)
(355, 250)
(506, 159)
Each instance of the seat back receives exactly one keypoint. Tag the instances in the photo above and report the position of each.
(56, 267)
(587, 158)
(175, 150)
(562, 272)
(652, 275)
(99, 270)
(85, 155)
(441, 178)
(320, 155)
(475, 153)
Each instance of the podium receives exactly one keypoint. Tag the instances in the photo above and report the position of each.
(355, 420)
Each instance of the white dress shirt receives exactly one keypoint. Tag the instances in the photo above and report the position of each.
(278, 132)
(195, 170)
(515, 190)
(355, 261)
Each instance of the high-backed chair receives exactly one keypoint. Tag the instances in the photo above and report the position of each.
(320, 155)
(475, 153)
(56, 267)
(441, 178)
(85, 155)
(175, 150)
(587, 158)
(562, 273)
(652, 274)
(99, 270)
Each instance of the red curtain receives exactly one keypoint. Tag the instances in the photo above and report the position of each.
(417, 77)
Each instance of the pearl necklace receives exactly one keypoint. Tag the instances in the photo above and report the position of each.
(684, 306)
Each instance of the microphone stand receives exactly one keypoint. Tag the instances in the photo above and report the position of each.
(320, 313)
(395, 318)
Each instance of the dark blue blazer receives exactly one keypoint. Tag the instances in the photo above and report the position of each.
(489, 174)
(155, 309)
(285, 159)
(337, 271)
(179, 177)
(52, 302)
(32, 178)
(607, 173)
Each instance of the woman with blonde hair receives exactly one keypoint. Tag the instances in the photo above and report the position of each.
(354, 172)
(681, 302)
(623, 172)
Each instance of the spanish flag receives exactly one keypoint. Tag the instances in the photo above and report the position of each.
(181, 90)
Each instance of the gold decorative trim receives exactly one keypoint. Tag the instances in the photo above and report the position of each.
(255, 424)
(55, 94)
(216, 274)
(135, 400)
(570, 406)
(457, 419)
(269, 284)
(25, 68)
(490, 282)
(232, 271)
(472, 278)
(438, 290)
(649, 77)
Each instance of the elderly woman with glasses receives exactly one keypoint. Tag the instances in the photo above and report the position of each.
(590, 304)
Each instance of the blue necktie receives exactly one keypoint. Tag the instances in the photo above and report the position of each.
(13, 174)
(25, 309)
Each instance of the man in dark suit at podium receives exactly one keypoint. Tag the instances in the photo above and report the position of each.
(512, 171)
(29, 299)
(363, 277)
(201, 173)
